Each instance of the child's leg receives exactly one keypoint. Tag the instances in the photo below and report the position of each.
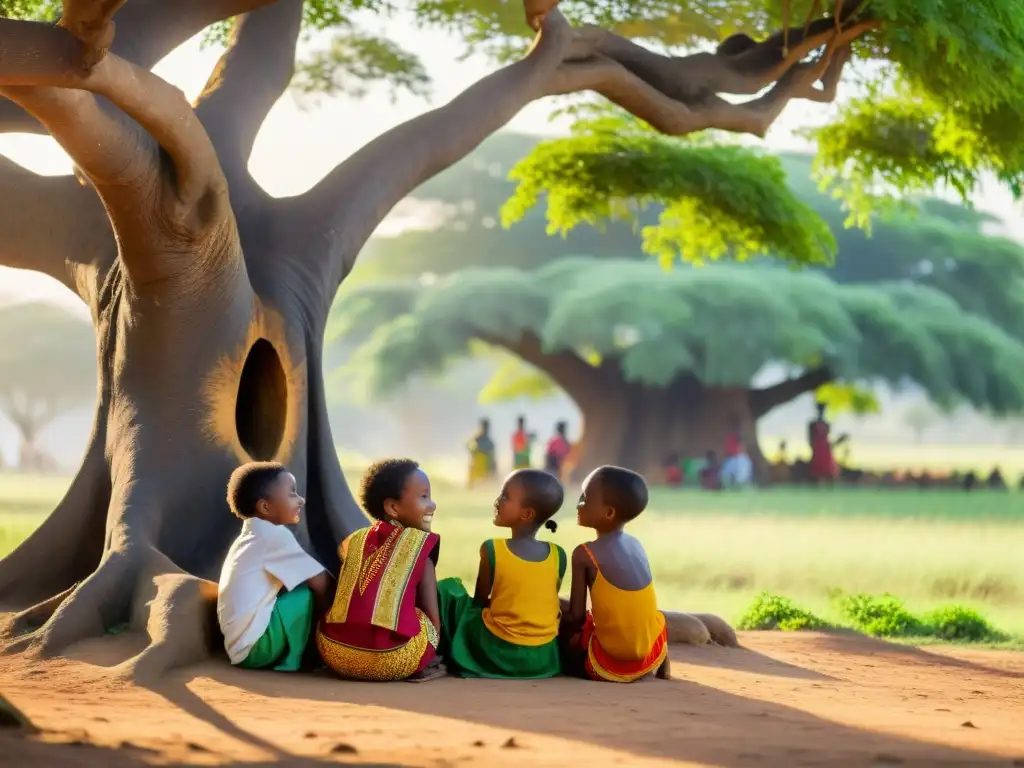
(665, 670)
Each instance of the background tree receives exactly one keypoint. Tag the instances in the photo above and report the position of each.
(661, 362)
(47, 365)
(919, 417)
(210, 298)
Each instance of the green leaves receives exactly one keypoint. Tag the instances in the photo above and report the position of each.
(356, 59)
(721, 323)
(719, 200)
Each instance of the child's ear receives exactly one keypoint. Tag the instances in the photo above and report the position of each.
(610, 513)
(391, 508)
(529, 515)
(262, 508)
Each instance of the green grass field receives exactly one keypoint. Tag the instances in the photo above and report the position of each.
(715, 552)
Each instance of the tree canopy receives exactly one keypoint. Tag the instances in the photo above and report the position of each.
(721, 324)
(939, 105)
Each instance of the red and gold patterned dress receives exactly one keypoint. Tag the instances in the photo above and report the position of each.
(374, 631)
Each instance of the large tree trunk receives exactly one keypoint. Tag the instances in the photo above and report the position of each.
(639, 427)
(188, 390)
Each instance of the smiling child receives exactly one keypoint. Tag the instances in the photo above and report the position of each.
(509, 628)
(269, 586)
(384, 623)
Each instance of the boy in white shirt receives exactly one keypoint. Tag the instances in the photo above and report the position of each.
(270, 589)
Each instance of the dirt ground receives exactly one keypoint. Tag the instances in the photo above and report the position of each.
(783, 699)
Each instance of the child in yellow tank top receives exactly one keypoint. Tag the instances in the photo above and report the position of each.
(623, 637)
(509, 628)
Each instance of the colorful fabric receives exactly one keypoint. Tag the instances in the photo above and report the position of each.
(481, 458)
(263, 559)
(374, 617)
(381, 665)
(283, 644)
(470, 649)
(522, 447)
(601, 666)
(524, 607)
(733, 445)
(626, 638)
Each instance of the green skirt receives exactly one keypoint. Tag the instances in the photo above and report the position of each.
(470, 649)
(283, 644)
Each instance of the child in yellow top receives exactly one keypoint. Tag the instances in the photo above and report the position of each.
(622, 638)
(509, 628)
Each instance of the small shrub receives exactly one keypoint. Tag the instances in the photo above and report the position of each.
(770, 611)
(880, 616)
(959, 623)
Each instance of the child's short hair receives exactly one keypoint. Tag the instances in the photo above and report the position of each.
(250, 483)
(383, 480)
(623, 489)
(542, 492)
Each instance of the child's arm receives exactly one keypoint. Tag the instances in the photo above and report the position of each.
(426, 595)
(484, 578)
(322, 587)
(581, 579)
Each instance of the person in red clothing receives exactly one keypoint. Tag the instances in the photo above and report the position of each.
(557, 450)
(823, 464)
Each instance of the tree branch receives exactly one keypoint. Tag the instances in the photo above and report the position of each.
(147, 30)
(37, 55)
(55, 226)
(674, 117)
(247, 82)
(764, 400)
(349, 203)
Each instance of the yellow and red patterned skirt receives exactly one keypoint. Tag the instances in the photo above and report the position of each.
(599, 665)
(376, 654)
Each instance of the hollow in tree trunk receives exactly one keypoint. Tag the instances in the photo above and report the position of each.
(209, 297)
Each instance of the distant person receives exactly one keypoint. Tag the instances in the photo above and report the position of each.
(271, 592)
(711, 473)
(509, 627)
(823, 467)
(780, 469)
(970, 481)
(737, 469)
(522, 445)
(482, 464)
(995, 481)
(674, 475)
(623, 637)
(557, 449)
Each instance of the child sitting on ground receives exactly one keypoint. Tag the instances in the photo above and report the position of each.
(623, 637)
(384, 623)
(270, 588)
(509, 628)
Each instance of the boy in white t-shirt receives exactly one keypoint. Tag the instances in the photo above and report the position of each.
(270, 589)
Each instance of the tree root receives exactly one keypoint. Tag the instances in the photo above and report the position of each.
(686, 629)
(175, 610)
(179, 614)
(719, 629)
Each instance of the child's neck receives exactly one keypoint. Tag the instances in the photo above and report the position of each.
(611, 532)
(524, 533)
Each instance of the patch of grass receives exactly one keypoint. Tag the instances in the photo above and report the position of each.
(880, 616)
(770, 611)
(883, 616)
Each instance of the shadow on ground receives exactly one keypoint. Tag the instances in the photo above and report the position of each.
(21, 751)
(677, 720)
